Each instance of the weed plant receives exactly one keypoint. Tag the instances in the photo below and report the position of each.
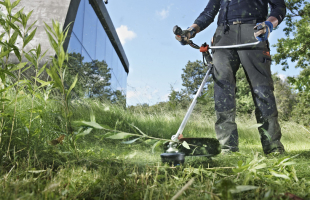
(56, 147)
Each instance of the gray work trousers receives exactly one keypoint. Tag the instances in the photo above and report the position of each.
(256, 62)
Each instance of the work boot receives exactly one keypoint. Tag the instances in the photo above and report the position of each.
(226, 130)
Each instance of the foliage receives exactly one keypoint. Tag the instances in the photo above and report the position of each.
(295, 46)
(15, 26)
(179, 99)
(58, 68)
(193, 75)
(95, 76)
(285, 97)
(301, 83)
(301, 108)
(118, 98)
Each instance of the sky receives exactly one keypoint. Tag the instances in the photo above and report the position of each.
(155, 57)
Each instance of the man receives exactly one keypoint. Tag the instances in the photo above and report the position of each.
(240, 22)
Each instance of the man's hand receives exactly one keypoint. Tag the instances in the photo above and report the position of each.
(263, 30)
(186, 35)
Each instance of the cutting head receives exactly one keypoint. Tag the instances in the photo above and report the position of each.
(173, 158)
(198, 147)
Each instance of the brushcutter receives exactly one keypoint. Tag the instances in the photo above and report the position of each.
(208, 147)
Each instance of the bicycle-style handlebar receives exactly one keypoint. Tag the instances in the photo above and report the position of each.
(178, 31)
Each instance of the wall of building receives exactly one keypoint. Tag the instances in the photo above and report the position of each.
(44, 11)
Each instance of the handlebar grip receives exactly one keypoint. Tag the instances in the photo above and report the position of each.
(177, 30)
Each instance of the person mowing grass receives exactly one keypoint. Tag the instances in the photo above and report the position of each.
(240, 22)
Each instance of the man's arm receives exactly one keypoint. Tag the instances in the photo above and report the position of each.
(278, 12)
(207, 16)
(274, 21)
(196, 27)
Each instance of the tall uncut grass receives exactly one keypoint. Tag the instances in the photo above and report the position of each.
(108, 169)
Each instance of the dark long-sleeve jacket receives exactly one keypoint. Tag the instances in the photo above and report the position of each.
(241, 10)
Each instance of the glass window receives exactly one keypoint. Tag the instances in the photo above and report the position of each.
(74, 44)
(113, 82)
(114, 65)
(101, 42)
(119, 74)
(91, 50)
(108, 52)
(79, 21)
(124, 82)
(85, 54)
(90, 30)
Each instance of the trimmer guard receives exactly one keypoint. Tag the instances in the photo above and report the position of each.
(203, 147)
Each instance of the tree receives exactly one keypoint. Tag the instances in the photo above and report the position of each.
(297, 26)
(193, 75)
(302, 81)
(75, 67)
(178, 99)
(118, 98)
(94, 80)
(285, 97)
(296, 48)
(301, 84)
(94, 77)
(301, 110)
(99, 77)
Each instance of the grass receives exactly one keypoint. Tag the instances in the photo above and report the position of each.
(102, 168)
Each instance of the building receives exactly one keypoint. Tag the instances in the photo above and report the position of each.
(92, 36)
